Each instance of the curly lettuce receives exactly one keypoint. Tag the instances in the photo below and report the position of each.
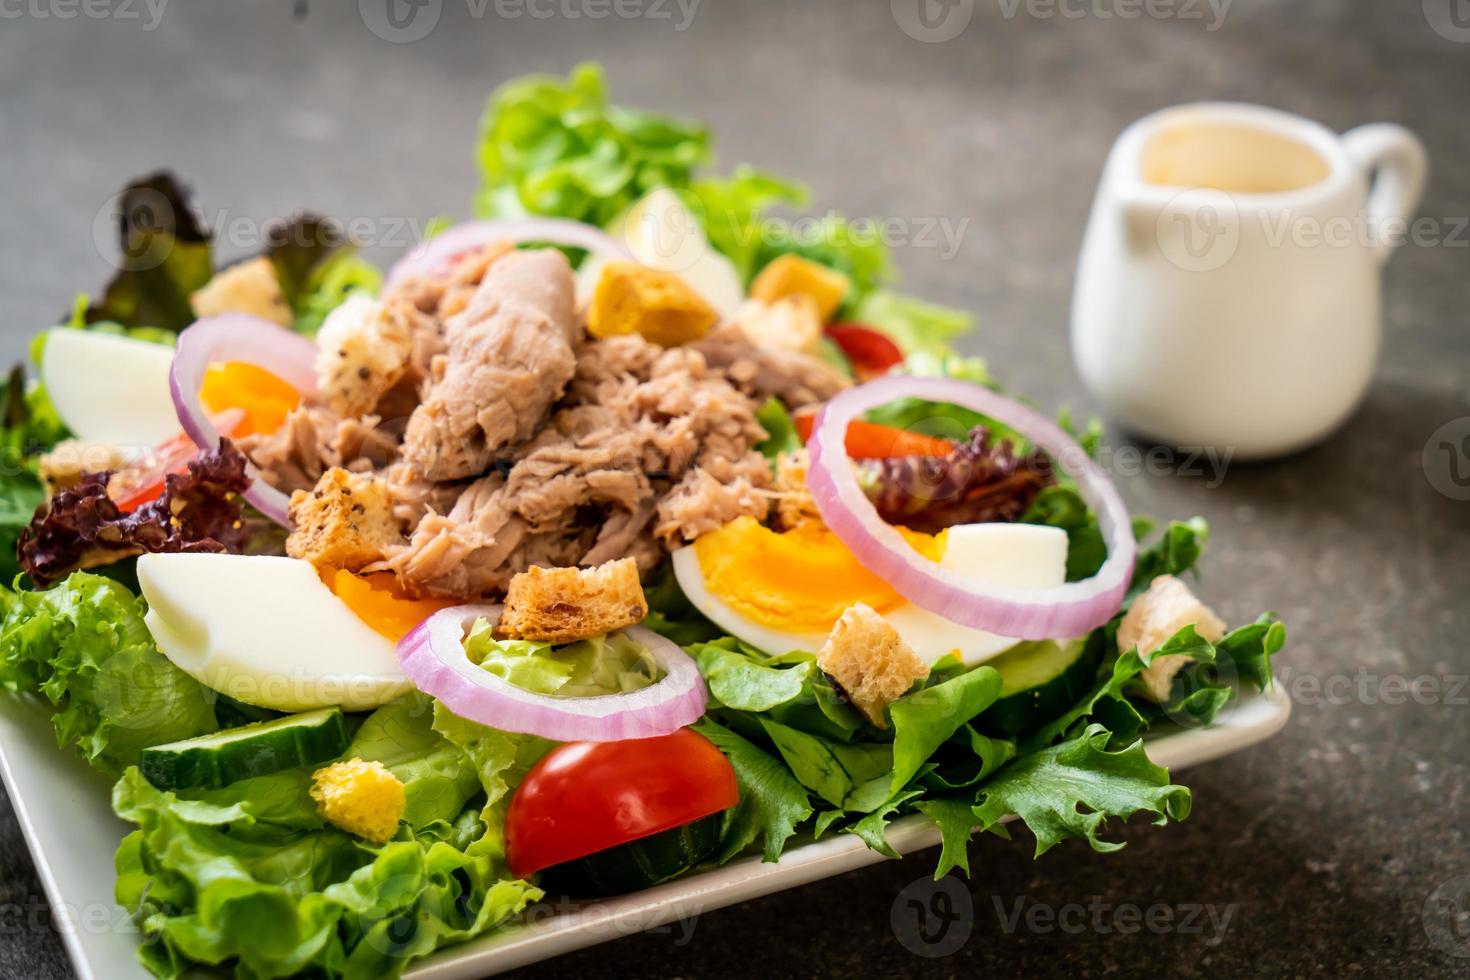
(249, 878)
(83, 646)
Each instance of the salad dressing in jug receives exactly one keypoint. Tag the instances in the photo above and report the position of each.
(1227, 294)
(1230, 157)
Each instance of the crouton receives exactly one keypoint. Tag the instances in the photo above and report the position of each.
(792, 275)
(563, 605)
(870, 662)
(64, 466)
(345, 521)
(794, 503)
(660, 306)
(1166, 608)
(362, 352)
(791, 323)
(245, 287)
(362, 798)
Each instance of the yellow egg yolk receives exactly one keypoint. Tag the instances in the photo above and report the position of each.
(799, 580)
(376, 600)
(265, 399)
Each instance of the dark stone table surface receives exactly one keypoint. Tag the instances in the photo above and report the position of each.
(1336, 848)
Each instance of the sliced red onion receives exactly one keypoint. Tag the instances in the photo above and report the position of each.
(437, 252)
(1071, 609)
(433, 656)
(253, 340)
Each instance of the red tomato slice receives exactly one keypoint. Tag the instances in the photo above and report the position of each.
(871, 351)
(585, 797)
(868, 440)
(142, 480)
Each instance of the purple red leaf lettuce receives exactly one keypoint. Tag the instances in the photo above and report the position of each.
(981, 480)
(83, 527)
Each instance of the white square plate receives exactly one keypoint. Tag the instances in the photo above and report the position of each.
(64, 810)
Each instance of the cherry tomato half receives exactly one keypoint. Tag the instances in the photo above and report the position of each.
(870, 350)
(142, 479)
(868, 440)
(585, 797)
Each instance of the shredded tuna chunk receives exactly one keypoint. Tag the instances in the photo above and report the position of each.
(795, 378)
(314, 439)
(508, 356)
(648, 445)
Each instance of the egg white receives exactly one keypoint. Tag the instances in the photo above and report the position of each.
(265, 630)
(1016, 556)
(110, 389)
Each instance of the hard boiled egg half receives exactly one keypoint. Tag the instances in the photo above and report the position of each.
(783, 591)
(663, 234)
(110, 389)
(268, 631)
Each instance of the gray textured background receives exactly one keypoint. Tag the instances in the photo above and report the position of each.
(1326, 843)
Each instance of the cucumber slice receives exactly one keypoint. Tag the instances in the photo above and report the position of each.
(1040, 680)
(637, 864)
(258, 749)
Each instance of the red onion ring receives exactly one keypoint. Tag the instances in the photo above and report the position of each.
(438, 251)
(432, 655)
(1071, 609)
(238, 337)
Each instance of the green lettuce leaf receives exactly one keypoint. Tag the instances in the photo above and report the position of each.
(1073, 788)
(925, 719)
(916, 326)
(83, 645)
(438, 777)
(500, 759)
(1251, 647)
(733, 210)
(873, 828)
(557, 147)
(849, 776)
(166, 256)
(781, 434)
(317, 267)
(955, 818)
(217, 881)
(772, 802)
(613, 664)
(29, 426)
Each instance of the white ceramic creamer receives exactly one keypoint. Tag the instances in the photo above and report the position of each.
(1228, 290)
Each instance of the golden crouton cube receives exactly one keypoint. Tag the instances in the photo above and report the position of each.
(345, 521)
(64, 466)
(660, 306)
(792, 275)
(791, 323)
(563, 605)
(1166, 608)
(245, 287)
(362, 798)
(362, 352)
(870, 662)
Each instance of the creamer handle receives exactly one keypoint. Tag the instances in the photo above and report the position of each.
(1394, 162)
